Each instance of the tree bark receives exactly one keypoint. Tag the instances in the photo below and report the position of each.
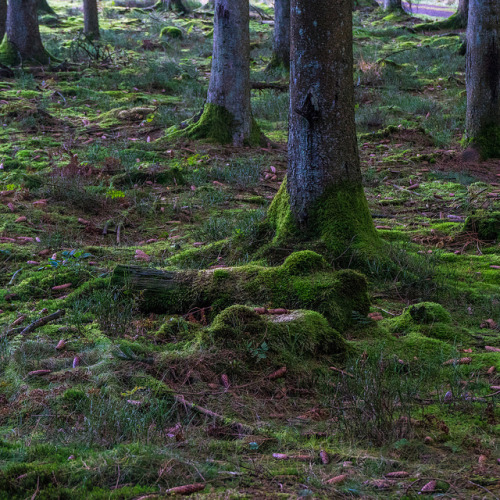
(463, 12)
(91, 19)
(43, 6)
(393, 5)
(323, 198)
(23, 41)
(3, 18)
(281, 45)
(227, 116)
(483, 77)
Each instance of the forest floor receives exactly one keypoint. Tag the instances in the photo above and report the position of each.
(110, 402)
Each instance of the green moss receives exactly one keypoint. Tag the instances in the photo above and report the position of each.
(176, 328)
(334, 294)
(296, 334)
(342, 222)
(453, 22)
(214, 125)
(171, 32)
(487, 142)
(485, 224)
(428, 319)
(10, 56)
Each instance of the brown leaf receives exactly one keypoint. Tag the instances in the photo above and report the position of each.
(277, 374)
(398, 474)
(492, 349)
(21, 219)
(429, 487)
(337, 479)
(188, 489)
(325, 459)
(491, 370)
(39, 373)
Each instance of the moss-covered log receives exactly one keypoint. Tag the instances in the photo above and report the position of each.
(303, 281)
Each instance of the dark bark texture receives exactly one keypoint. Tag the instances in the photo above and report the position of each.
(44, 7)
(463, 11)
(3, 18)
(91, 19)
(392, 5)
(322, 144)
(483, 76)
(281, 44)
(23, 41)
(323, 197)
(229, 86)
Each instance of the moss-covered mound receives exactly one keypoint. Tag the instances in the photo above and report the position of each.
(283, 337)
(428, 319)
(485, 224)
(303, 281)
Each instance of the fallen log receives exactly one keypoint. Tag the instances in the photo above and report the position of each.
(303, 281)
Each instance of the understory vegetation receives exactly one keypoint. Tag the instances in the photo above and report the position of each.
(251, 368)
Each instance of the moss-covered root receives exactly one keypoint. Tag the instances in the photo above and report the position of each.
(485, 224)
(342, 222)
(9, 55)
(486, 142)
(455, 21)
(216, 125)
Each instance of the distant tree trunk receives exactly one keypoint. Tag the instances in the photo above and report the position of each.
(43, 6)
(227, 116)
(392, 5)
(23, 41)
(3, 18)
(91, 19)
(179, 5)
(281, 45)
(463, 12)
(483, 77)
(323, 197)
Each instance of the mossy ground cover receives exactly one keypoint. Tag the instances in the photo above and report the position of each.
(89, 181)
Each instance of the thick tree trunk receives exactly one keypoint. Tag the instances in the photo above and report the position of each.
(324, 195)
(392, 5)
(483, 77)
(23, 41)
(281, 45)
(227, 116)
(43, 6)
(3, 18)
(91, 19)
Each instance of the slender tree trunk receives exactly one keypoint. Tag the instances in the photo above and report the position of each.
(43, 6)
(483, 77)
(463, 12)
(91, 19)
(3, 18)
(23, 41)
(392, 5)
(227, 116)
(324, 197)
(281, 46)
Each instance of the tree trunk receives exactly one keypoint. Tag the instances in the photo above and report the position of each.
(227, 116)
(3, 18)
(483, 77)
(23, 41)
(43, 6)
(91, 19)
(323, 197)
(281, 46)
(463, 12)
(392, 5)
(179, 5)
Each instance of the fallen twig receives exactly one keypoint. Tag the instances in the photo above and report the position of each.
(43, 321)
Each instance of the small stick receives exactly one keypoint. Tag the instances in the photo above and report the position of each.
(341, 371)
(43, 321)
(118, 232)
